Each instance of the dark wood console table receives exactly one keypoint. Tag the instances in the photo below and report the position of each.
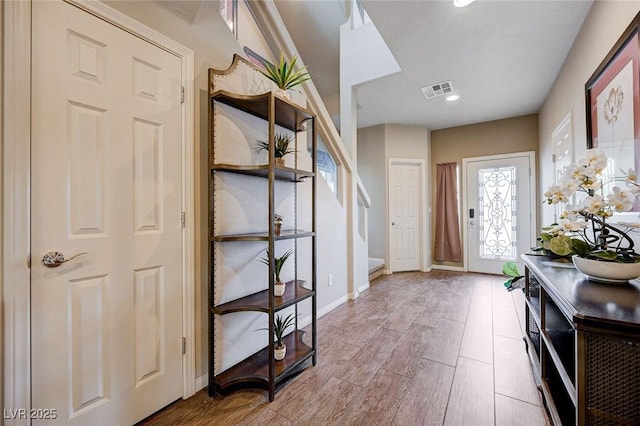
(583, 339)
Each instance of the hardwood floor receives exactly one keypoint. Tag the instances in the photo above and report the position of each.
(437, 348)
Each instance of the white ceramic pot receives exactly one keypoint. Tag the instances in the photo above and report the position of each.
(283, 92)
(278, 289)
(279, 353)
(608, 272)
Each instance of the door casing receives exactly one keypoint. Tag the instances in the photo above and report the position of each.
(465, 208)
(16, 164)
(424, 247)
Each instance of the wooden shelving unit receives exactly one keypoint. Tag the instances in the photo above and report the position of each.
(260, 369)
(583, 340)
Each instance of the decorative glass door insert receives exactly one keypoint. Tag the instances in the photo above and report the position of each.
(497, 213)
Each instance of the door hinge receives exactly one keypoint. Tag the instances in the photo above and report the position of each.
(182, 95)
(183, 219)
(29, 262)
(553, 158)
(184, 345)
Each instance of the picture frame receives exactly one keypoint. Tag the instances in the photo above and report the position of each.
(613, 104)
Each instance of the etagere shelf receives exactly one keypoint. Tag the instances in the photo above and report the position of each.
(260, 369)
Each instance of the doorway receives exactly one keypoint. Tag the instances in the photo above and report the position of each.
(97, 177)
(499, 211)
(406, 214)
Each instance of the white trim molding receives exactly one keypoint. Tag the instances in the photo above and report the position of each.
(424, 238)
(532, 188)
(16, 193)
(16, 277)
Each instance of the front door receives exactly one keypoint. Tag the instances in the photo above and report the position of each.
(404, 214)
(106, 181)
(499, 210)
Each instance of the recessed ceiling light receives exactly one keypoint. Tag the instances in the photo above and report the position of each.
(462, 3)
(453, 98)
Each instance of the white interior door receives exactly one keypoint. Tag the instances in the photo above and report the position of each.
(498, 210)
(106, 180)
(404, 215)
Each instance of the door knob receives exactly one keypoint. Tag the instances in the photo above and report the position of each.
(53, 259)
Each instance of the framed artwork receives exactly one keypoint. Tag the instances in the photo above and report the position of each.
(229, 12)
(613, 104)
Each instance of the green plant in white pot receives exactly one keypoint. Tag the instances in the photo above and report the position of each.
(279, 327)
(278, 263)
(282, 143)
(284, 74)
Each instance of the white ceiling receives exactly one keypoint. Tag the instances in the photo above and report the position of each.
(502, 56)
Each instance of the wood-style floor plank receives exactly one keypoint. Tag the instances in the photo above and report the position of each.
(426, 399)
(512, 375)
(407, 354)
(471, 394)
(444, 345)
(416, 348)
(513, 412)
(477, 340)
(380, 401)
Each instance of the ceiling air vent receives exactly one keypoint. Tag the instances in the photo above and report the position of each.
(438, 89)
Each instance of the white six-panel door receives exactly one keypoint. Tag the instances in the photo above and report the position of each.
(106, 180)
(404, 215)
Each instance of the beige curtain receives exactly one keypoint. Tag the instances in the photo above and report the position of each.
(447, 247)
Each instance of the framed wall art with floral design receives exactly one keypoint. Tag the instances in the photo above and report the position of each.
(613, 104)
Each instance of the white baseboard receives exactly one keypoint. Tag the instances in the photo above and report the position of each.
(202, 382)
(364, 287)
(331, 306)
(388, 272)
(305, 321)
(448, 268)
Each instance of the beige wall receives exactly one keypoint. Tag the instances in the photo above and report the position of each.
(375, 146)
(214, 46)
(603, 26)
(372, 171)
(517, 134)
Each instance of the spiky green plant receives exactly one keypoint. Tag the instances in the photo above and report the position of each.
(284, 74)
(281, 143)
(278, 263)
(279, 327)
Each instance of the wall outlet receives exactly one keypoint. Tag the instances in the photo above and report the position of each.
(330, 280)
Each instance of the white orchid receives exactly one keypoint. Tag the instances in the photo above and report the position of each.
(557, 194)
(621, 200)
(631, 176)
(594, 204)
(601, 240)
(569, 225)
(595, 158)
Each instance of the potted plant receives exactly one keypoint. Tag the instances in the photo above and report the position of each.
(278, 263)
(281, 144)
(279, 327)
(284, 75)
(599, 249)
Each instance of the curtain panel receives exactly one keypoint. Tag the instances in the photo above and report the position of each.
(447, 244)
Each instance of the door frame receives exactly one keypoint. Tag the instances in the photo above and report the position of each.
(16, 203)
(423, 248)
(465, 208)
